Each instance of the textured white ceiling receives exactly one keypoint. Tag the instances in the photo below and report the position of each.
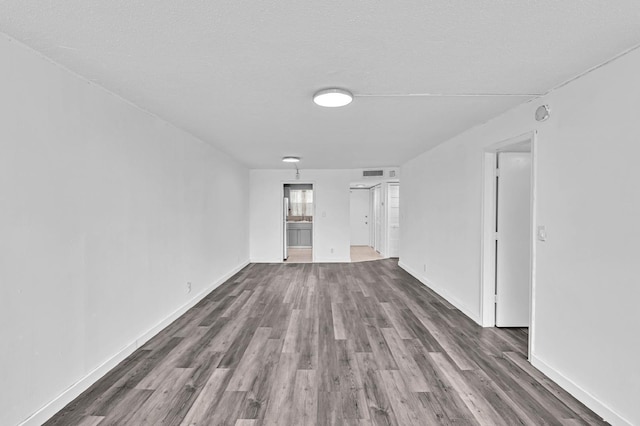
(240, 74)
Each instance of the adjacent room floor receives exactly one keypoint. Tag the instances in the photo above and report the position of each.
(358, 254)
(300, 255)
(364, 254)
(352, 343)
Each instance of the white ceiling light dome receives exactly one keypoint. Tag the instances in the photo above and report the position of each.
(332, 98)
(290, 159)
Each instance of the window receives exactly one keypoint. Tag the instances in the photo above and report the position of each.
(301, 202)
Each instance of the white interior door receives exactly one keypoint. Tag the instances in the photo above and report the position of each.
(513, 240)
(285, 243)
(377, 218)
(359, 217)
(393, 219)
(372, 217)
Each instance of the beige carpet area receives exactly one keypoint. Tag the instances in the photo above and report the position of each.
(300, 255)
(364, 254)
(358, 254)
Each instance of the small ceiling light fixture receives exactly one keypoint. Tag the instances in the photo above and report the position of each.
(332, 98)
(290, 159)
(543, 112)
(360, 185)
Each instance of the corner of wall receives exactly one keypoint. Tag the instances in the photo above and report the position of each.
(72, 392)
(475, 317)
(579, 393)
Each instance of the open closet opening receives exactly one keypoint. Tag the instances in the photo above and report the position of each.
(508, 228)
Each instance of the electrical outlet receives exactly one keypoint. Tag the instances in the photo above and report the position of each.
(425, 267)
(189, 287)
(331, 251)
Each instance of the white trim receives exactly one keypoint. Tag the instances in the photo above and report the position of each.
(442, 292)
(487, 247)
(580, 394)
(266, 260)
(534, 245)
(59, 402)
(567, 384)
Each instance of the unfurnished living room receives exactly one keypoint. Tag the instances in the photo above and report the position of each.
(319, 213)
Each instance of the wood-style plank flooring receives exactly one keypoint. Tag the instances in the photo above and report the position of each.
(326, 344)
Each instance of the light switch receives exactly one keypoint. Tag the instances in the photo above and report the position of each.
(542, 233)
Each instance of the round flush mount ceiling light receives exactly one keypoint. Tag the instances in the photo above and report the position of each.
(332, 98)
(290, 159)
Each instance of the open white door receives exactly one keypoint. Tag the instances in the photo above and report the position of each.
(513, 241)
(285, 242)
(377, 213)
(393, 219)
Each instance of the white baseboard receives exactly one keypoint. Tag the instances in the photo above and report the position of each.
(567, 384)
(443, 293)
(59, 402)
(580, 394)
(266, 260)
(317, 260)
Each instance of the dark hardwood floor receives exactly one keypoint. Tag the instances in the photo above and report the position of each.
(306, 344)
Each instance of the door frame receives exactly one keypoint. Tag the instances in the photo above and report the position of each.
(313, 226)
(488, 254)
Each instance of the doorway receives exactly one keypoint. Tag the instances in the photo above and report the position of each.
(298, 215)
(375, 221)
(361, 225)
(513, 240)
(508, 267)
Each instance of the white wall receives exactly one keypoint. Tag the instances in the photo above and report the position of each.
(105, 213)
(330, 223)
(588, 189)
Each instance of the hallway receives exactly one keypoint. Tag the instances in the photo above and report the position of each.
(360, 343)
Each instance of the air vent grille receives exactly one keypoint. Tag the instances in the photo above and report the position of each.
(372, 173)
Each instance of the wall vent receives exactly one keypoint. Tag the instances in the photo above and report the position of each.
(372, 173)
(392, 173)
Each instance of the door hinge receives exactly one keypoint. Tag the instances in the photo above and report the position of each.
(495, 298)
(497, 172)
(495, 236)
